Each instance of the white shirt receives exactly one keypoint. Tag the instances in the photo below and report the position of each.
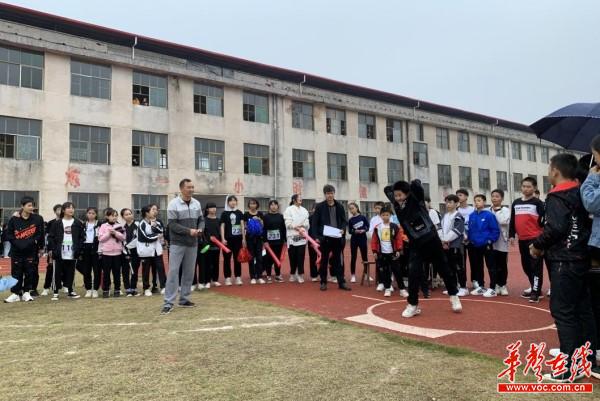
(90, 232)
(435, 219)
(67, 244)
(465, 212)
(448, 233)
(385, 238)
(503, 219)
(295, 216)
(375, 221)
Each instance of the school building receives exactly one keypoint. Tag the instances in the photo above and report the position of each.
(104, 117)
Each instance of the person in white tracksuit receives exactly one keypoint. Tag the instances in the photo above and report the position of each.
(501, 245)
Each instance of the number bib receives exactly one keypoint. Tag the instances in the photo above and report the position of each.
(273, 235)
(236, 230)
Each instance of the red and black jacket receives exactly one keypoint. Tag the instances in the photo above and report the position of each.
(526, 218)
(397, 239)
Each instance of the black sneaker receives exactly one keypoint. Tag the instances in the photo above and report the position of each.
(279, 279)
(105, 294)
(187, 304)
(166, 309)
(534, 298)
(427, 294)
(73, 295)
(34, 293)
(344, 287)
(117, 294)
(154, 290)
(323, 286)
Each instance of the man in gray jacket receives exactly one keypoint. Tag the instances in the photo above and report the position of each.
(186, 224)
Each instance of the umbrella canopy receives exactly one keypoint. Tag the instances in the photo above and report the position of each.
(572, 127)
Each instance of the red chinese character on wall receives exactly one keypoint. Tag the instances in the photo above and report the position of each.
(297, 187)
(72, 175)
(363, 191)
(238, 186)
(512, 361)
(535, 360)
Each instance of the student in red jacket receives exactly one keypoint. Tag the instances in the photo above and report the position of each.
(386, 243)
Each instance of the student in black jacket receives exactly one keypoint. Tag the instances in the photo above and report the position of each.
(131, 260)
(49, 269)
(208, 262)
(254, 240)
(26, 235)
(275, 234)
(331, 213)
(89, 266)
(425, 244)
(312, 254)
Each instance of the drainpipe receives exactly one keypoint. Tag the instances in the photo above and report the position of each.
(408, 155)
(133, 48)
(302, 83)
(275, 142)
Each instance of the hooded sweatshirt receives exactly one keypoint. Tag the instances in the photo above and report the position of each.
(295, 216)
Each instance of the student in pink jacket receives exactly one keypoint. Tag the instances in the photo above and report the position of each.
(111, 236)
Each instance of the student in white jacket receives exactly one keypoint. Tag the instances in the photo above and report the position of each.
(501, 245)
(296, 218)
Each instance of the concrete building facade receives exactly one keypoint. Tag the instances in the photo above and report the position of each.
(83, 116)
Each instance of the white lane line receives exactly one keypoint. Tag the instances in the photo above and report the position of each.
(372, 299)
(373, 320)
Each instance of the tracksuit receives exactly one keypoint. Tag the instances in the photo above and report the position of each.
(89, 266)
(387, 240)
(483, 232)
(111, 248)
(150, 250)
(26, 237)
(358, 241)
(452, 233)
(254, 243)
(131, 260)
(501, 245)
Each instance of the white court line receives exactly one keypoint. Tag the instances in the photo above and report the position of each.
(291, 322)
(372, 299)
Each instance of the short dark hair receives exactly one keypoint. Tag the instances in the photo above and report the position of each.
(402, 186)
(183, 182)
(378, 203)
(253, 200)
(64, 206)
(452, 198)
(387, 208)
(328, 188)
(462, 191)
(531, 180)
(231, 197)
(499, 192)
(294, 199)
(27, 199)
(124, 210)
(57, 206)
(427, 199)
(566, 164)
(92, 209)
(145, 210)
(209, 205)
(537, 191)
(273, 202)
(109, 211)
(482, 196)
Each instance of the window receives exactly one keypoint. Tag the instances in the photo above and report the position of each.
(367, 209)
(84, 200)
(500, 147)
(517, 178)
(302, 115)
(516, 150)
(442, 138)
(10, 202)
(256, 107)
(20, 138)
(482, 145)
(367, 169)
(210, 154)
(420, 154)
(149, 90)
(546, 184)
(464, 177)
(256, 159)
(420, 133)
(393, 130)
(534, 176)
(444, 175)
(337, 166)
(502, 180)
(366, 126)
(426, 188)
(139, 201)
(263, 204)
(545, 155)
(89, 144)
(21, 68)
(308, 203)
(336, 122)
(531, 153)
(90, 80)
(395, 170)
(484, 179)
(149, 150)
(303, 163)
(208, 99)
(464, 144)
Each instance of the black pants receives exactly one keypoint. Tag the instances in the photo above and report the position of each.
(88, 266)
(208, 265)
(297, 255)
(48, 280)
(332, 248)
(429, 251)
(479, 255)
(134, 262)
(269, 262)
(255, 246)
(501, 264)
(64, 273)
(35, 281)
(386, 264)
(154, 263)
(312, 261)
(111, 264)
(571, 308)
(356, 243)
(127, 271)
(22, 268)
(235, 245)
(533, 267)
(594, 280)
(455, 263)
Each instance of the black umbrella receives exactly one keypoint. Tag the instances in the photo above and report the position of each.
(573, 127)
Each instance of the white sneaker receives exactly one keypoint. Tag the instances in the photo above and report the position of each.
(201, 287)
(549, 293)
(253, 281)
(54, 297)
(411, 310)
(314, 279)
(476, 284)
(404, 293)
(94, 294)
(216, 283)
(45, 292)
(445, 292)
(88, 294)
(228, 281)
(353, 279)
(380, 287)
(238, 281)
(334, 280)
(527, 291)
(489, 293)
(12, 299)
(371, 279)
(207, 286)
(292, 278)
(300, 279)
(478, 291)
(463, 292)
(387, 293)
(192, 288)
(261, 281)
(456, 305)
(503, 291)
(554, 352)
(162, 292)
(65, 290)
(147, 293)
(27, 297)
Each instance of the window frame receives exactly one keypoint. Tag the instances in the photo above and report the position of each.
(331, 116)
(162, 201)
(8, 54)
(139, 95)
(340, 166)
(461, 142)
(92, 78)
(442, 138)
(516, 146)
(419, 153)
(163, 153)
(371, 172)
(391, 172)
(461, 173)
(89, 143)
(198, 151)
(300, 119)
(301, 165)
(483, 147)
(80, 211)
(501, 153)
(531, 153)
(484, 179)
(265, 161)
(14, 128)
(391, 133)
(366, 130)
(499, 185)
(202, 95)
(250, 110)
(444, 177)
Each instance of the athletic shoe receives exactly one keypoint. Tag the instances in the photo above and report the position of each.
(314, 279)
(228, 281)
(563, 378)
(105, 294)
(489, 293)
(503, 291)
(88, 294)
(269, 280)
(403, 293)
(380, 287)
(95, 294)
(27, 297)
(476, 284)
(478, 291)
(147, 293)
(353, 279)
(323, 287)
(155, 290)
(54, 297)
(187, 304)
(129, 294)
(427, 294)
(45, 292)
(162, 291)
(554, 352)
(279, 279)
(292, 278)
(253, 281)
(445, 292)
(526, 293)
(116, 294)
(387, 293)
(300, 279)
(65, 290)
(261, 281)
(201, 287)
(455, 302)
(596, 372)
(534, 298)
(344, 287)
(334, 280)
(216, 284)
(207, 286)
(238, 281)
(12, 299)
(166, 309)
(549, 292)
(192, 288)
(74, 295)
(411, 310)
(34, 293)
